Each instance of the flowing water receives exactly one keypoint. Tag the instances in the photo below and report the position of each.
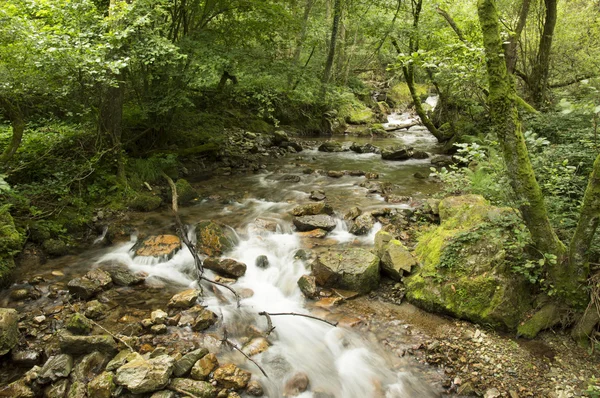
(339, 361)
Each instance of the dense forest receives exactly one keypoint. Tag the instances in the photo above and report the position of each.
(101, 100)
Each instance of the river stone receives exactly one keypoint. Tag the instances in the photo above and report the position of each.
(164, 394)
(185, 299)
(9, 330)
(25, 358)
(308, 286)
(296, 385)
(89, 366)
(77, 345)
(183, 365)
(94, 309)
(121, 359)
(79, 324)
(382, 239)
(204, 366)
(78, 389)
(317, 195)
(312, 209)
(226, 267)
(472, 283)
(352, 268)
(396, 153)
(397, 260)
(262, 261)
(362, 224)
(308, 223)
(56, 367)
(254, 389)
(199, 389)
(159, 317)
(366, 148)
(230, 376)
(57, 389)
(256, 346)
(205, 320)
(102, 386)
(335, 174)
(331, 146)
(159, 329)
(17, 389)
(314, 234)
(164, 246)
(142, 376)
(90, 284)
(121, 276)
(353, 213)
(214, 239)
(420, 155)
(442, 160)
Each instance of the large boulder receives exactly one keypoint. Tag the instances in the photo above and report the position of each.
(396, 153)
(159, 246)
(308, 223)
(78, 345)
(353, 269)
(465, 265)
(312, 209)
(145, 375)
(331, 146)
(214, 239)
(9, 330)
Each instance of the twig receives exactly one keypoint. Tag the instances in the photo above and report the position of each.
(270, 326)
(230, 344)
(182, 233)
(269, 314)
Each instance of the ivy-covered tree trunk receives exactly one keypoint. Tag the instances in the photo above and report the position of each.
(538, 81)
(506, 123)
(337, 13)
(17, 121)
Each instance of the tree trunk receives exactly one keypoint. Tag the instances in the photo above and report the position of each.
(300, 41)
(111, 125)
(506, 123)
(337, 13)
(17, 122)
(513, 40)
(539, 75)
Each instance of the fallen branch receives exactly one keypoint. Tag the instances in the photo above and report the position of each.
(181, 231)
(270, 326)
(270, 314)
(231, 344)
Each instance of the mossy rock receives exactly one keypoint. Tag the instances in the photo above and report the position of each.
(11, 240)
(55, 247)
(7, 265)
(360, 116)
(214, 239)
(465, 266)
(79, 324)
(353, 269)
(185, 192)
(145, 202)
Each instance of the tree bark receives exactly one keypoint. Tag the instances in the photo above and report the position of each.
(539, 74)
(506, 123)
(301, 39)
(452, 24)
(513, 41)
(111, 125)
(17, 121)
(337, 13)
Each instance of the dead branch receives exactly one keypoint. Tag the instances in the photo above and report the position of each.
(270, 326)
(270, 314)
(232, 345)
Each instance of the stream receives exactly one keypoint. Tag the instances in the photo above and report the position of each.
(347, 361)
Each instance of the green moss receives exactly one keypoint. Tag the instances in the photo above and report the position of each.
(185, 192)
(79, 324)
(546, 317)
(7, 265)
(214, 239)
(400, 94)
(55, 247)
(360, 116)
(145, 202)
(11, 240)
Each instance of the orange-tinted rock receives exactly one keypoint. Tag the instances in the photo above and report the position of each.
(159, 246)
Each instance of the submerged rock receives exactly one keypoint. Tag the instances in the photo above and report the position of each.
(296, 385)
(121, 276)
(9, 331)
(262, 261)
(308, 223)
(214, 239)
(159, 246)
(465, 269)
(353, 269)
(317, 195)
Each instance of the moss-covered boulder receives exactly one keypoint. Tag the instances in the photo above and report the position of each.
(353, 269)
(466, 265)
(214, 239)
(145, 202)
(185, 192)
(11, 242)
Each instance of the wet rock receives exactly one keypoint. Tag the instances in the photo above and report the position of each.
(19, 294)
(164, 394)
(308, 286)
(442, 160)
(296, 385)
(25, 358)
(357, 173)
(78, 389)
(397, 260)
(17, 389)
(308, 223)
(353, 213)
(317, 195)
(121, 359)
(203, 321)
(102, 386)
(366, 148)
(159, 317)
(314, 234)
(397, 153)
(164, 246)
(372, 176)
(312, 209)
(183, 365)
(94, 309)
(204, 366)
(77, 345)
(200, 389)
(185, 299)
(9, 330)
(254, 389)
(185, 192)
(143, 376)
(226, 267)
(335, 174)
(421, 176)
(262, 261)
(145, 202)
(256, 346)
(214, 239)
(330, 146)
(90, 284)
(56, 367)
(79, 324)
(57, 390)
(55, 247)
(158, 329)
(121, 276)
(352, 269)
(89, 366)
(230, 376)
(279, 137)
(362, 224)
(420, 155)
